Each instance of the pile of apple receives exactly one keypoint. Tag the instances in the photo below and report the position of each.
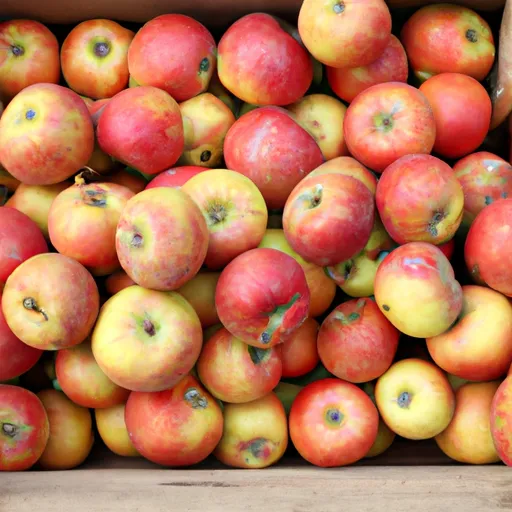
(234, 247)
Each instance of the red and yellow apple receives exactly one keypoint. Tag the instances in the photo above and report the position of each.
(175, 177)
(113, 432)
(501, 421)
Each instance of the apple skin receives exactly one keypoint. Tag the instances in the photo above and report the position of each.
(235, 372)
(82, 224)
(234, 210)
(262, 146)
(20, 239)
(343, 413)
(113, 432)
(117, 281)
(416, 289)
(175, 53)
(461, 105)
(479, 346)
(255, 433)
(388, 121)
(419, 199)
(390, 66)
(142, 128)
(501, 421)
(46, 134)
(135, 183)
(262, 296)
(319, 218)
(217, 89)
(175, 177)
(356, 342)
(282, 76)
(24, 428)
(83, 381)
(321, 289)
(345, 34)
(467, 439)
(415, 399)
(448, 248)
(487, 247)
(94, 58)
(146, 340)
(51, 302)
(30, 55)
(192, 418)
(485, 178)
(160, 247)
(71, 436)
(200, 293)
(448, 38)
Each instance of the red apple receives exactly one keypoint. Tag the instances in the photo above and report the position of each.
(461, 106)
(132, 180)
(175, 177)
(24, 428)
(262, 296)
(501, 421)
(448, 248)
(387, 121)
(94, 58)
(175, 53)
(262, 145)
(117, 281)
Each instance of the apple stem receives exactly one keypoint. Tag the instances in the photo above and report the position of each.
(31, 304)
(195, 399)
(346, 320)
(205, 156)
(9, 429)
(276, 319)
(404, 400)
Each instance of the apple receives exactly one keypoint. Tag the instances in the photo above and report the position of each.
(478, 347)
(461, 105)
(262, 145)
(319, 218)
(206, 120)
(416, 289)
(24, 428)
(322, 116)
(390, 66)
(82, 224)
(287, 393)
(487, 247)
(20, 239)
(448, 248)
(71, 436)
(298, 352)
(192, 418)
(113, 432)
(30, 55)
(262, 296)
(94, 58)
(333, 423)
(255, 433)
(387, 121)
(35, 202)
(501, 425)
(467, 438)
(146, 340)
(235, 372)
(175, 177)
(233, 209)
(420, 199)
(415, 399)
(261, 63)
(132, 180)
(217, 89)
(46, 134)
(50, 302)
(143, 128)
(321, 289)
(448, 38)
(117, 281)
(162, 238)
(175, 53)
(345, 33)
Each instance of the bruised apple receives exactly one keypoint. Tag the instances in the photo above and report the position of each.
(416, 289)
(261, 63)
(50, 302)
(46, 134)
(192, 418)
(175, 177)
(262, 146)
(161, 238)
(262, 296)
(113, 432)
(501, 421)
(24, 428)
(200, 293)
(420, 200)
(146, 340)
(328, 218)
(388, 121)
(235, 372)
(333, 423)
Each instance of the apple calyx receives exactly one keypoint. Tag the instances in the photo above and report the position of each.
(258, 355)
(204, 65)
(313, 197)
(471, 35)
(149, 327)
(195, 399)
(205, 156)
(276, 319)
(101, 49)
(137, 240)
(17, 50)
(384, 122)
(334, 416)
(339, 7)
(217, 213)
(31, 304)
(30, 114)
(438, 216)
(404, 400)
(10, 430)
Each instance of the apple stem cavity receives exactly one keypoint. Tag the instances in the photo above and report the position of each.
(31, 304)
(137, 240)
(334, 416)
(17, 50)
(404, 400)
(217, 213)
(10, 430)
(471, 35)
(339, 7)
(101, 49)
(438, 216)
(195, 399)
(258, 355)
(149, 327)
(276, 319)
